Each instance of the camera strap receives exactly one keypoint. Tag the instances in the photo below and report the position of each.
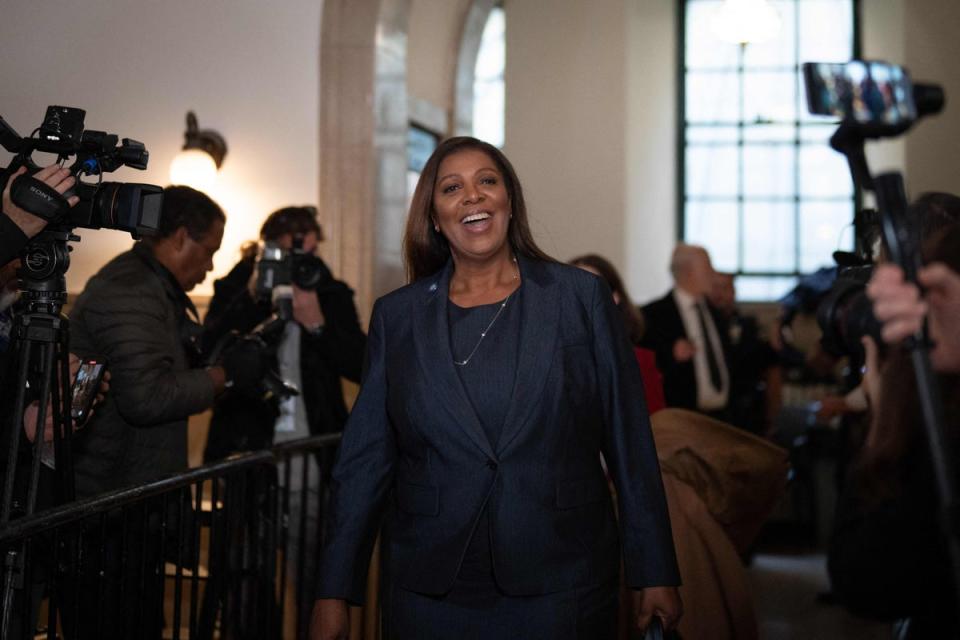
(38, 198)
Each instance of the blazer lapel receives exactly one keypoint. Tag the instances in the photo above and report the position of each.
(539, 327)
(431, 333)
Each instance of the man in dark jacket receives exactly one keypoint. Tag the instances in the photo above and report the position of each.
(690, 337)
(323, 343)
(135, 314)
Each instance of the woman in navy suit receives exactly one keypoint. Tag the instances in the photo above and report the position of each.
(491, 386)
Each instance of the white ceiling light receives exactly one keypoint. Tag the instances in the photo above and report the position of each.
(746, 21)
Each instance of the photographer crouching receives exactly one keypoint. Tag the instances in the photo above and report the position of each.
(312, 327)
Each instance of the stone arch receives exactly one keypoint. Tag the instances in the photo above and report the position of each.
(362, 142)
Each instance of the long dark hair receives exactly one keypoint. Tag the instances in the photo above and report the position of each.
(631, 317)
(425, 251)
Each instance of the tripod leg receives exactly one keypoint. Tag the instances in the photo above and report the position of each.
(47, 354)
(25, 352)
(63, 423)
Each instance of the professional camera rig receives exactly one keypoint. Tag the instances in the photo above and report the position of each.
(134, 208)
(41, 331)
(877, 100)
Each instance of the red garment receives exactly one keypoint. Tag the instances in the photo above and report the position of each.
(652, 380)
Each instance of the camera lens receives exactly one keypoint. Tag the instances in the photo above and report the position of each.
(846, 314)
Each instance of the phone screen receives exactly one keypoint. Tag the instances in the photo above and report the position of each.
(866, 92)
(85, 389)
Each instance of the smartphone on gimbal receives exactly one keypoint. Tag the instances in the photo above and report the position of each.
(866, 92)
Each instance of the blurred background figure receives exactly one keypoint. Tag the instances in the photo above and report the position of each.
(652, 379)
(754, 364)
(689, 336)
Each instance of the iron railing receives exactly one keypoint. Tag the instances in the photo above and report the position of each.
(227, 550)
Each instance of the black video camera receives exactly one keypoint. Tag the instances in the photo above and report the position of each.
(134, 208)
(278, 267)
(845, 314)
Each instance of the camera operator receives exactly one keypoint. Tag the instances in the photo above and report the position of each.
(321, 344)
(888, 557)
(135, 314)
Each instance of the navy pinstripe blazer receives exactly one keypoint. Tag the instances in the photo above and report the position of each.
(414, 450)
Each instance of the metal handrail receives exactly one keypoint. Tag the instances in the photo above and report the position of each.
(83, 509)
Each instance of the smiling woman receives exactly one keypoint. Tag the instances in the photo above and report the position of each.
(493, 382)
(427, 247)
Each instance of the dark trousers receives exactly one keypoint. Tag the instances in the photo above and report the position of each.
(586, 613)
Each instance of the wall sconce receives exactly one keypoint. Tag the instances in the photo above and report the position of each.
(202, 155)
(746, 21)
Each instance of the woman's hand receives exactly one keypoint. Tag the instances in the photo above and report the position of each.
(899, 305)
(662, 602)
(330, 620)
(896, 303)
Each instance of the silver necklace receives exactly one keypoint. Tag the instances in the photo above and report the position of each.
(483, 334)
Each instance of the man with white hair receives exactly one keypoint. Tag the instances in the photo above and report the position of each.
(689, 336)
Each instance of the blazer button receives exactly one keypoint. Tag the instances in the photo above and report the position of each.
(491, 465)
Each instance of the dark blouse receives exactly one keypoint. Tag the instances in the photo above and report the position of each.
(488, 376)
(488, 379)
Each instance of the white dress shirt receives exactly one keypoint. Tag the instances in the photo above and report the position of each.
(708, 398)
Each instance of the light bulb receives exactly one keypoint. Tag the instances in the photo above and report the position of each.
(193, 168)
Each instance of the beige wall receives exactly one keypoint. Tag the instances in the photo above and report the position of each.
(591, 121)
(566, 106)
(932, 49)
(921, 35)
(651, 202)
(884, 39)
(248, 68)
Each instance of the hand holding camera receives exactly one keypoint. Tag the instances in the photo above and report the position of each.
(900, 306)
(245, 363)
(55, 178)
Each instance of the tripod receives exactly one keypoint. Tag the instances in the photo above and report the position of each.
(43, 370)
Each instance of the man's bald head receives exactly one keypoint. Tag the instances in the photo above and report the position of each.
(691, 269)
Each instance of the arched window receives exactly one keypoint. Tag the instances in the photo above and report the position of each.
(488, 88)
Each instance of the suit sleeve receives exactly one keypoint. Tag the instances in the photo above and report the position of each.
(143, 381)
(361, 479)
(648, 553)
